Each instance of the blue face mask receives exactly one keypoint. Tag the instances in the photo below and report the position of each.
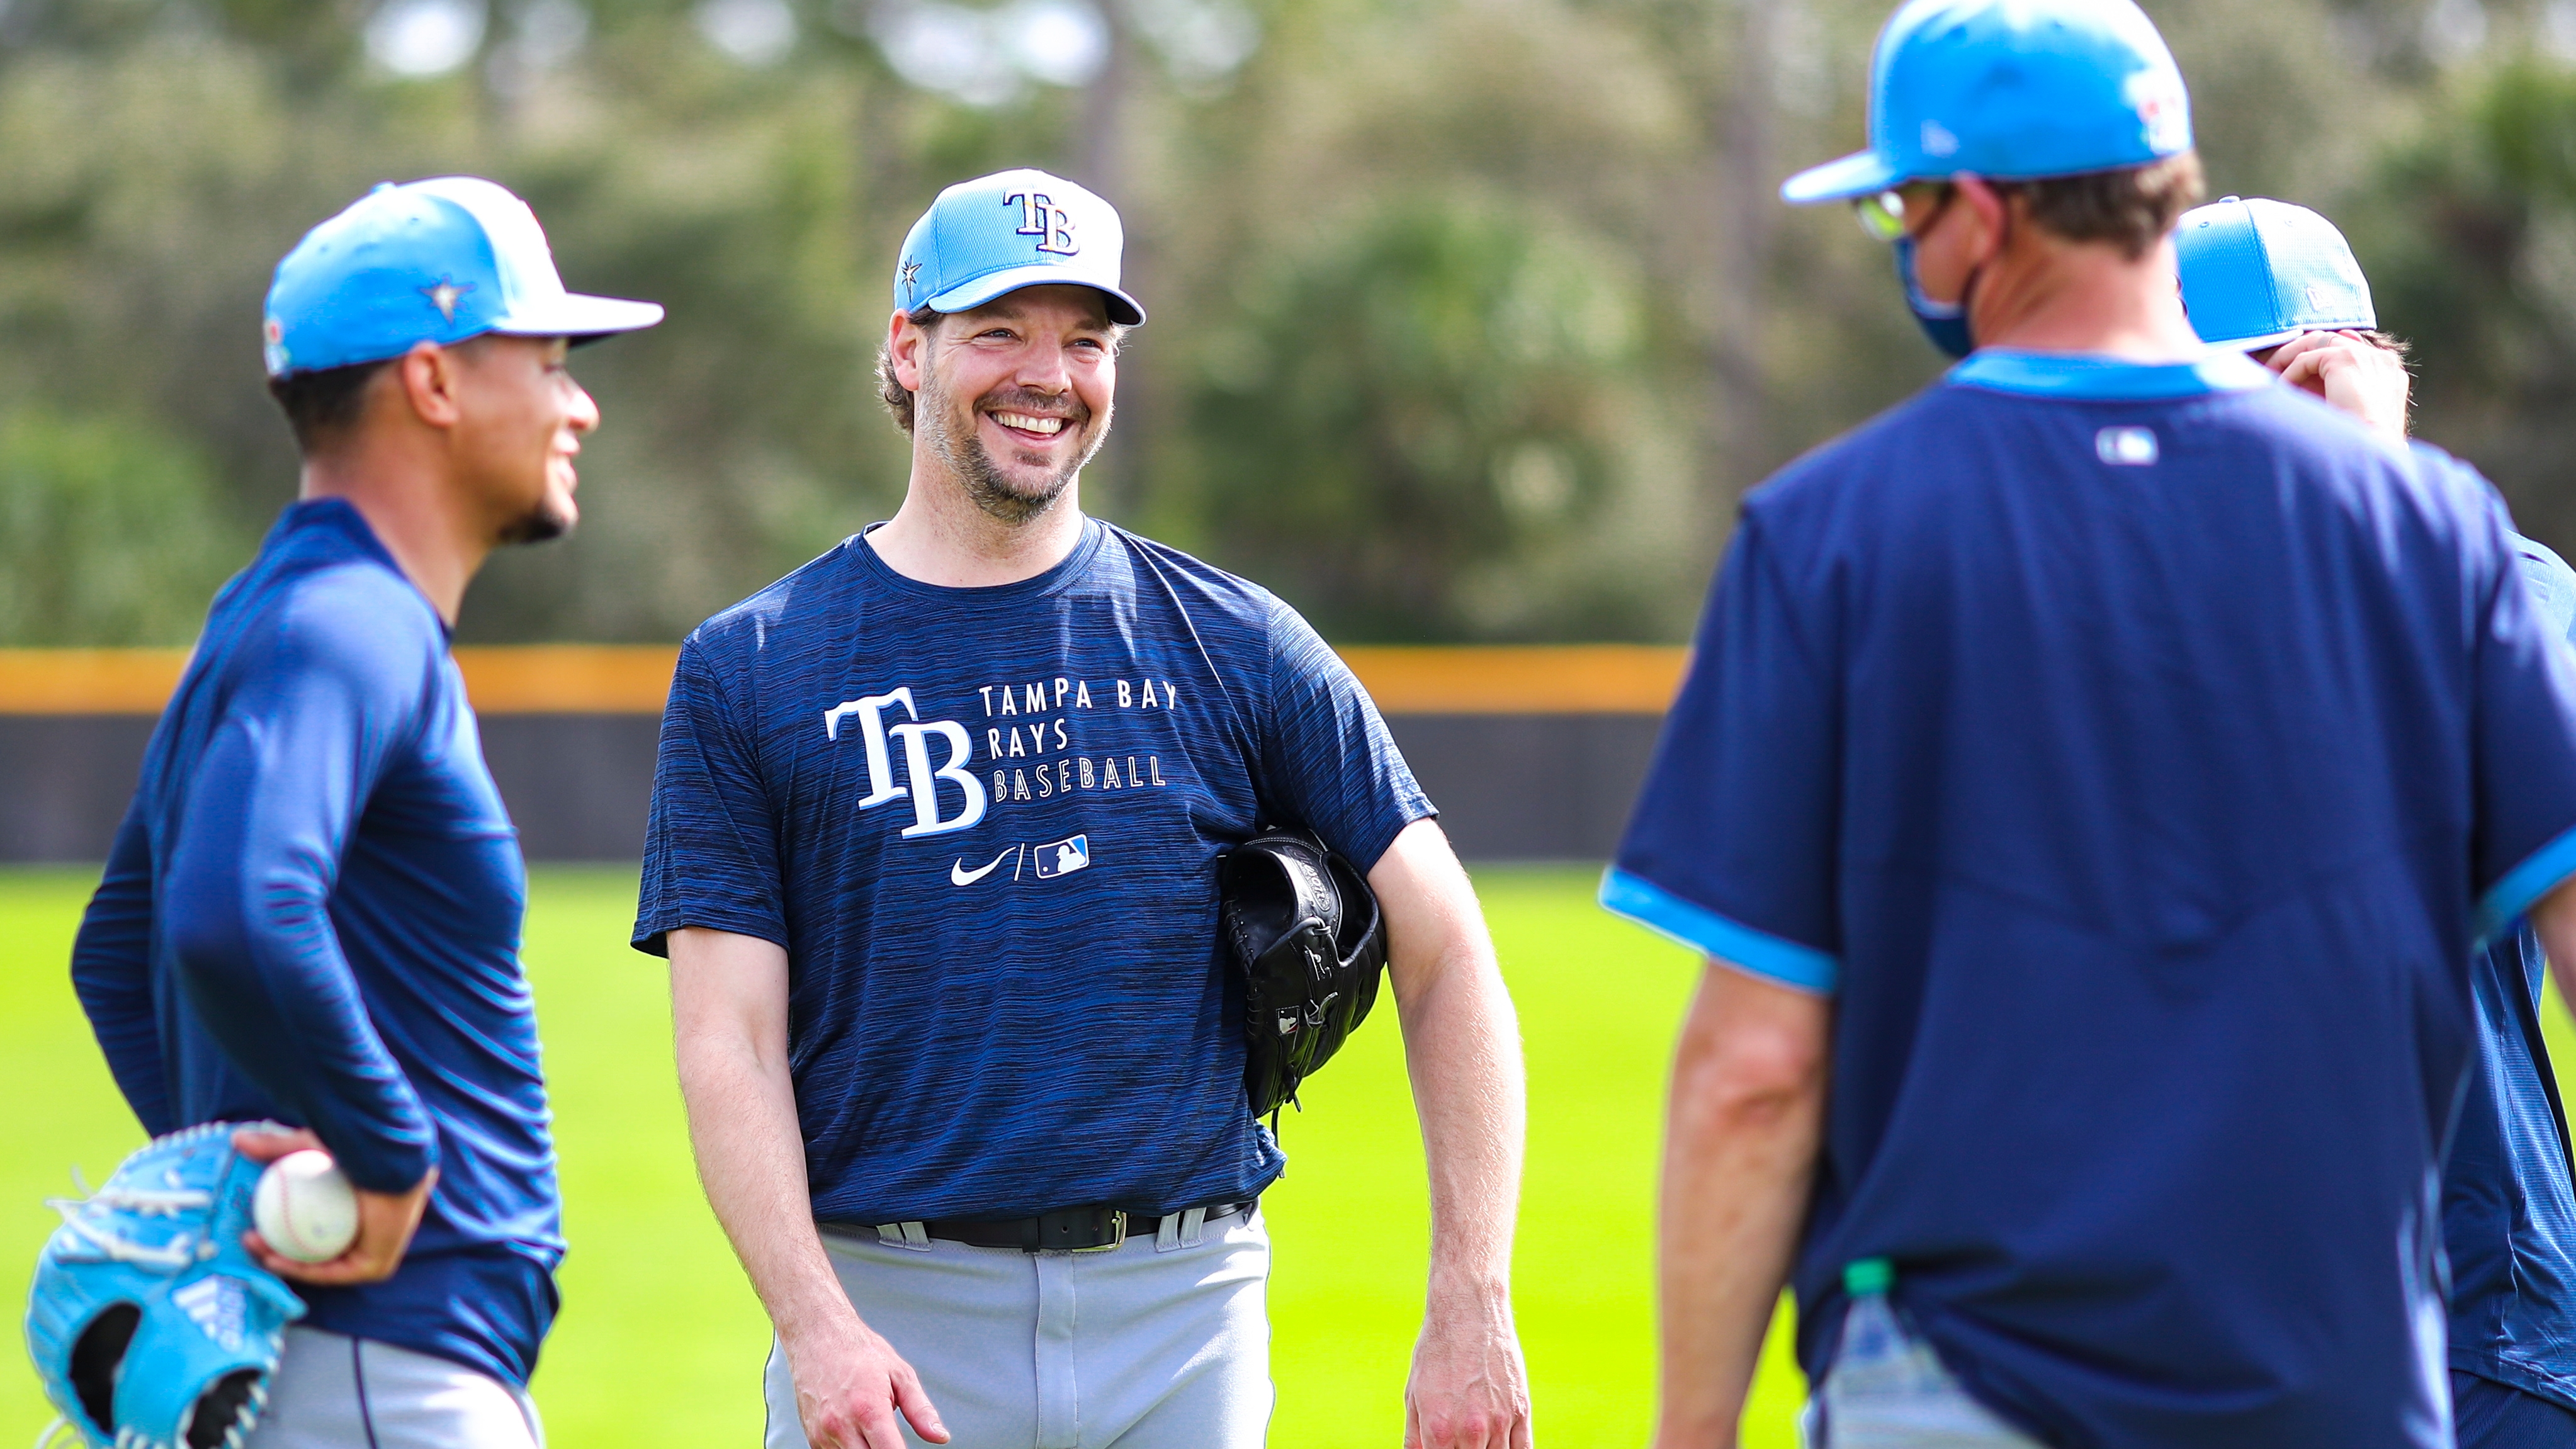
(1946, 323)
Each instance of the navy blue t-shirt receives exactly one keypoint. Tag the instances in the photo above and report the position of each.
(312, 913)
(2136, 754)
(2508, 1209)
(984, 825)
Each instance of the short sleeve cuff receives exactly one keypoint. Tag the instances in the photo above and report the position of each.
(1702, 929)
(653, 930)
(2543, 871)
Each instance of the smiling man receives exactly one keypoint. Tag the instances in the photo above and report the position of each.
(312, 910)
(933, 855)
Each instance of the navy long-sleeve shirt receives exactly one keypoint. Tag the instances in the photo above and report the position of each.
(312, 914)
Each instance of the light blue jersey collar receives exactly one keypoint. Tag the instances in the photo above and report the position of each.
(2092, 377)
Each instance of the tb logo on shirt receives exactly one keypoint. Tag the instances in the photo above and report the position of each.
(919, 780)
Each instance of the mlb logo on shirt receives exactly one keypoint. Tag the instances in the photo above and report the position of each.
(2126, 447)
(1062, 857)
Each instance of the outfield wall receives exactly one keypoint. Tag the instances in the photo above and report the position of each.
(1530, 753)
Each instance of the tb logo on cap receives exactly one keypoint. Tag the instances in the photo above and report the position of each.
(1040, 217)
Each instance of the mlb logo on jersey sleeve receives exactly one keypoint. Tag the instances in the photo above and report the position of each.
(1062, 857)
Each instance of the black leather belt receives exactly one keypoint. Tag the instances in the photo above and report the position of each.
(1072, 1230)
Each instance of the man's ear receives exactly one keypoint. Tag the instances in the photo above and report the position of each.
(1993, 215)
(908, 343)
(426, 378)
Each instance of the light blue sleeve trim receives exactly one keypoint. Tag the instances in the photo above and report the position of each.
(1702, 929)
(2092, 377)
(2539, 874)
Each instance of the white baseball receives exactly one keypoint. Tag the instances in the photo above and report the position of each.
(305, 1207)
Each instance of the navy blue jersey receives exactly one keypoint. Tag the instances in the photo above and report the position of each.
(312, 914)
(984, 824)
(2508, 1209)
(2136, 753)
(2508, 1214)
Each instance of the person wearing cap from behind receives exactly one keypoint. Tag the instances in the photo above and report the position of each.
(2280, 283)
(311, 911)
(2090, 776)
(933, 855)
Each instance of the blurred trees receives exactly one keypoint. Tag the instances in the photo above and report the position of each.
(2470, 240)
(113, 531)
(1471, 317)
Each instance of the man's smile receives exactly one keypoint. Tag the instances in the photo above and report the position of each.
(1031, 427)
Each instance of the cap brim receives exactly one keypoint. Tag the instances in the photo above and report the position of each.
(2275, 339)
(1863, 173)
(985, 288)
(2256, 344)
(578, 317)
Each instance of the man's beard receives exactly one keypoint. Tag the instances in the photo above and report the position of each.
(968, 458)
(539, 524)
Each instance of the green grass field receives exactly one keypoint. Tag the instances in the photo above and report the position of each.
(660, 1343)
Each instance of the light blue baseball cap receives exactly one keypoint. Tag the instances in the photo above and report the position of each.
(2012, 90)
(2258, 272)
(1006, 231)
(431, 261)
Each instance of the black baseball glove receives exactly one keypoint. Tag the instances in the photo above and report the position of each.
(1303, 928)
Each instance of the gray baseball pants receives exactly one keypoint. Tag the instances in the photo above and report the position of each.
(1887, 1389)
(331, 1391)
(1162, 1343)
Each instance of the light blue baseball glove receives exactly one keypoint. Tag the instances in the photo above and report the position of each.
(151, 1325)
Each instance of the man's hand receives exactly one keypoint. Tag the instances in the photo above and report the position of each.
(2352, 372)
(386, 1221)
(850, 1384)
(1470, 1388)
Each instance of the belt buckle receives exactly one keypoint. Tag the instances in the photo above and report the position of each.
(1117, 1234)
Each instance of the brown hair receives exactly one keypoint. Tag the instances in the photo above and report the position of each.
(2131, 209)
(898, 398)
(323, 402)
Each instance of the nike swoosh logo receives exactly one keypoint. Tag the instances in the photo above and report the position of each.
(958, 874)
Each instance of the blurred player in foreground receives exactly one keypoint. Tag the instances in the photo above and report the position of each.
(312, 910)
(2280, 282)
(933, 854)
(2091, 775)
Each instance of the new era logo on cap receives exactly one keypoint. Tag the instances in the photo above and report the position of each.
(1014, 229)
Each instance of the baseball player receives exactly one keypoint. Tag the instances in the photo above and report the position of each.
(2089, 781)
(2279, 282)
(933, 855)
(311, 914)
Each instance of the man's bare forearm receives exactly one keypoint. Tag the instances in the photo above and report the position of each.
(1739, 1159)
(743, 1128)
(1462, 1051)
